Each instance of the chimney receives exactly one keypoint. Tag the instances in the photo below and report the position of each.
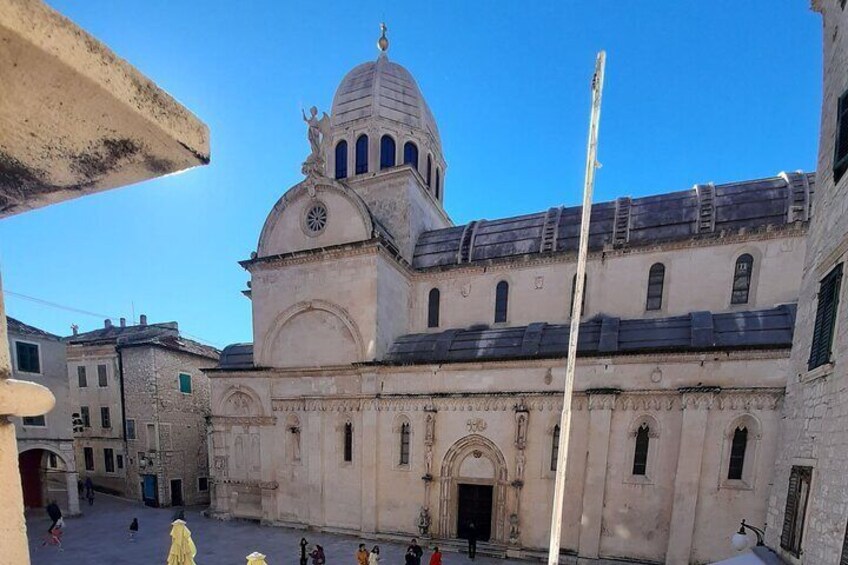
(142, 320)
(123, 322)
(107, 323)
(75, 329)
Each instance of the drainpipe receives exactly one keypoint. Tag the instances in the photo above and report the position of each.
(123, 415)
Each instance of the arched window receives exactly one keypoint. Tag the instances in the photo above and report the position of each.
(348, 442)
(438, 184)
(429, 171)
(574, 291)
(640, 455)
(737, 453)
(742, 279)
(404, 443)
(501, 301)
(433, 308)
(387, 152)
(362, 154)
(656, 279)
(341, 159)
(555, 448)
(410, 154)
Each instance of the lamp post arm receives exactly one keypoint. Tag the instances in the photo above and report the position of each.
(759, 533)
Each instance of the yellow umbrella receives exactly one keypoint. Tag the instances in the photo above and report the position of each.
(182, 547)
(256, 558)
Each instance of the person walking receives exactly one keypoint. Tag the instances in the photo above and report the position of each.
(471, 535)
(133, 529)
(436, 558)
(304, 559)
(362, 555)
(89, 495)
(417, 552)
(317, 555)
(55, 514)
(374, 556)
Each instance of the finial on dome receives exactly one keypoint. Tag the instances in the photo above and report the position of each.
(383, 42)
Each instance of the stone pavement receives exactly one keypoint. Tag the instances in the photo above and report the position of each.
(100, 535)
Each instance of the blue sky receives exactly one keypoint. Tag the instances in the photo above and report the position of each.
(695, 92)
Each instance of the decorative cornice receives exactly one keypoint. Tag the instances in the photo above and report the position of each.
(638, 401)
(244, 420)
(264, 485)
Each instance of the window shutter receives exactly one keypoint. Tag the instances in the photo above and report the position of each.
(843, 560)
(791, 509)
(828, 303)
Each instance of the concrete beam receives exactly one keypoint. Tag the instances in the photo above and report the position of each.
(76, 119)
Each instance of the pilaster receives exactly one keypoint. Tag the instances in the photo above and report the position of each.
(601, 406)
(696, 406)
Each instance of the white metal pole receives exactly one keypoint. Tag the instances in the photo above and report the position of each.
(577, 311)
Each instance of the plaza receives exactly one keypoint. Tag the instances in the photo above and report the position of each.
(100, 535)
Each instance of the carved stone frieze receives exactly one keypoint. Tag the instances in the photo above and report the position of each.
(244, 420)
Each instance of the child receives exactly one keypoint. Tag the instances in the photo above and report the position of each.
(133, 529)
(54, 534)
(436, 558)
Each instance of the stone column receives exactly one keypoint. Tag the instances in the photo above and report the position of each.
(696, 406)
(17, 398)
(313, 459)
(369, 467)
(594, 486)
(71, 478)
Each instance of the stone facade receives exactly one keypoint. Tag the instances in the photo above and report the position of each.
(816, 406)
(45, 444)
(158, 400)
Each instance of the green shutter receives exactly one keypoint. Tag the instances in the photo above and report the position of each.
(826, 309)
(791, 508)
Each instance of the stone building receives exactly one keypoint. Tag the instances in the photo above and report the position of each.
(808, 509)
(144, 404)
(45, 443)
(405, 374)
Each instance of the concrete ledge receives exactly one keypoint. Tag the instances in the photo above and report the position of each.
(76, 119)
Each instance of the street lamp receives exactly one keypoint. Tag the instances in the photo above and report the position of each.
(739, 541)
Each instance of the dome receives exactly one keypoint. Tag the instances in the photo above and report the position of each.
(383, 89)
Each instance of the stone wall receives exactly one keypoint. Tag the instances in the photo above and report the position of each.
(299, 477)
(153, 397)
(816, 412)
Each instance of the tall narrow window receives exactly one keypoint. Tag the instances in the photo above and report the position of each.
(574, 291)
(501, 301)
(27, 357)
(105, 417)
(130, 428)
(826, 309)
(88, 454)
(656, 279)
(429, 171)
(742, 279)
(410, 154)
(640, 455)
(387, 152)
(109, 460)
(348, 442)
(438, 184)
(796, 509)
(82, 379)
(341, 159)
(555, 448)
(362, 154)
(102, 379)
(185, 383)
(737, 453)
(840, 157)
(404, 443)
(85, 416)
(433, 308)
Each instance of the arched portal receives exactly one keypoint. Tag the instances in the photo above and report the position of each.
(45, 476)
(473, 488)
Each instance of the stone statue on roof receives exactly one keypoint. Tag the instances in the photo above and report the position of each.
(318, 129)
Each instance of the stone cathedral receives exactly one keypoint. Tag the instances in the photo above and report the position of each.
(406, 374)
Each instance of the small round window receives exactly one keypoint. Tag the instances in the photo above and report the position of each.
(316, 219)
